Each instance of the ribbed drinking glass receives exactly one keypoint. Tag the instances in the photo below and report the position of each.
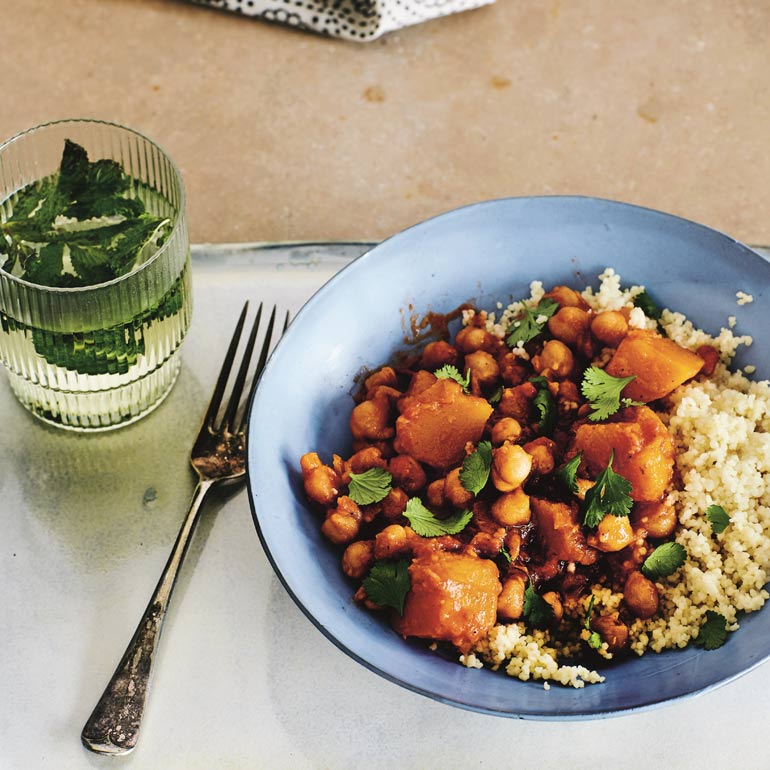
(90, 351)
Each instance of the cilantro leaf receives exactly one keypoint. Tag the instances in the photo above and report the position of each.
(537, 611)
(665, 560)
(450, 372)
(594, 638)
(718, 517)
(506, 554)
(602, 391)
(426, 524)
(713, 633)
(476, 466)
(647, 304)
(531, 323)
(611, 493)
(545, 405)
(494, 398)
(369, 487)
(567, 474)
(388, 583)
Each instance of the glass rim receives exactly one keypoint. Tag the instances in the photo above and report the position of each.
(156, 256)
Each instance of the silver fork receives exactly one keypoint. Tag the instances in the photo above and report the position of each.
(218, 456)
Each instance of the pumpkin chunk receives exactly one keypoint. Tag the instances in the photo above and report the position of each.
(641, 447)
(659, 364)
(560, 531)
(453, 597)
(437, 423)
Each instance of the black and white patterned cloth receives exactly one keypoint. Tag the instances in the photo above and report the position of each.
(359, 20)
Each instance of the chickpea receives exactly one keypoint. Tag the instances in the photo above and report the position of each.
(363, 460)
(609, 327)
(658, 519)
(513, 369)
(510, 467)
(358, 558)
(372, 420)
(612, 631)
(487, 545)
(542, 451)
(483, 368)
(506, 429)
(510, 602)
(435, 493)
(385, 376)
(472, 338)
(566, 297)
(516, 402)
(392, 542)
(569, 324)
(555, 360)
(321, 481)
(612, 534)
(343, 522)
(554, 600)
(454, 492)
(394, 504)
(512, 508)
(438, 354)
(641, 595)
(407, 473)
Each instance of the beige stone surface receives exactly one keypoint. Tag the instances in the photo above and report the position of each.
(287, 135)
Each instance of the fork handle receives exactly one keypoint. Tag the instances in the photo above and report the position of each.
(113, 727)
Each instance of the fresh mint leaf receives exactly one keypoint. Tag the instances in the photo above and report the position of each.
(718, 517)
(713, 632)
(664, 560)
(531, 323)
(567, 474)
(602, 391)
(537, 611)
(388, 583)
(369, 487)
(611, 493)
(476, 467)
(449, 372)
(426, 524)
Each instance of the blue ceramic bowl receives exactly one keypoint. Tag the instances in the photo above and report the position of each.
(486, 253)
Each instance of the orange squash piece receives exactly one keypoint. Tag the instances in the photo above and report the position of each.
(642, 446)
(437, 423)
(559, 529)
(660, 365)
(453, 597)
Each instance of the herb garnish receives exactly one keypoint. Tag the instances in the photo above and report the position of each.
(426, 524)
(602, 391)
(665, 560)
(594, 639)
(713, 633)
(611, 493)
(388, 583)
(79, 226)
(532, 323)
(537, 611)
(450, 372)
(546, 406)
(476, 466)
(718, 517)
(567, 474)
(369, 487)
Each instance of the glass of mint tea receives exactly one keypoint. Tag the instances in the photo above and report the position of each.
(95, 295)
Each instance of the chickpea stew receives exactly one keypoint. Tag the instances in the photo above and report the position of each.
(524, 482)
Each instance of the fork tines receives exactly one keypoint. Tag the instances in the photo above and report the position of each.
(231, 420)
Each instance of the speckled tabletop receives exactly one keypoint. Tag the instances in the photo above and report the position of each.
(284, 135)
